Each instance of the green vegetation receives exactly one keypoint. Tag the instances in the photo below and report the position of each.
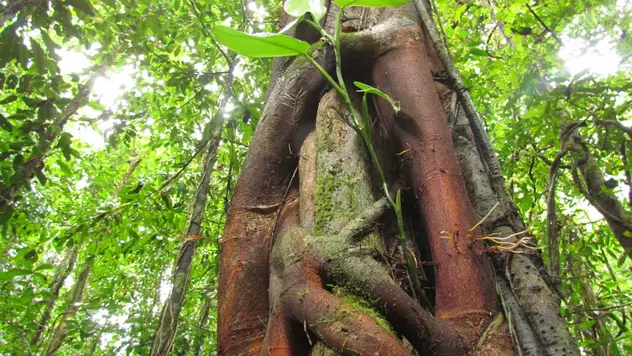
(108, 107)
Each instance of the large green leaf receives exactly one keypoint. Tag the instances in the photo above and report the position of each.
(259, 45)
(39, 57)
(83, 5)
(371, 3)
(298, 8)
(16, 272)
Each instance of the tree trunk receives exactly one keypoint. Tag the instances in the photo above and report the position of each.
(298, 272)
(63, 270)
(210, 292)
(61, 331)
(168, 325)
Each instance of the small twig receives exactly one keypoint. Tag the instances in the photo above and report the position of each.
(606, 308)
(170, 180)
(545, 26)
(625, 58)
(235, 142)
(307, 333)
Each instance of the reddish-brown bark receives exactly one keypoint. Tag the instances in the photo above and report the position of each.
(465, 294)
(275, 278)
(245, 246)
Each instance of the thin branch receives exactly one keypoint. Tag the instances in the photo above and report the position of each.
(170, 180)
(552, 224)
(617, 125)
(621, 306)
(544, 25)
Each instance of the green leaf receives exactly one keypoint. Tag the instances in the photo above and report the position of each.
(83, 5)
(39, 57)
(44, 267)
(9, 100)
(259, 45)
(371, 3)
(375, 91)
(6, 215)
(16, 272)
(478, 52)
(153, 22)
(64, 168)
(290, 25)
(5, 124)
(298, 8)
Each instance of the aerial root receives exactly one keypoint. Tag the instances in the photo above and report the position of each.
(405, 314)
(338, 324)
(302, 311)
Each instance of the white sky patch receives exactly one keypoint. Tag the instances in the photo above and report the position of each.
(165, 289)
(211, 86)
(110, 88)
(86, 134)
(239, 71)
(82, 183)
(227, 21)
(73, 61)
(259, 12)
(624, 5)
(228, 108)
(107, 90)
(600, 59)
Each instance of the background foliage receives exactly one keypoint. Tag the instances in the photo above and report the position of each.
(121, 159)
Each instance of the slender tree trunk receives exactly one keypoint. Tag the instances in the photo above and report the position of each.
(168, 325)
(597, 193)
(600, 332)
(210, 292)
(63, 271)
(61, 330)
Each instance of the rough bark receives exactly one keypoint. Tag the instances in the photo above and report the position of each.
(243, 281)
(445, 170)
(169, 317)
(465, 293)
(598, 195)
(340, 191)
(258, 195)
(486, 189)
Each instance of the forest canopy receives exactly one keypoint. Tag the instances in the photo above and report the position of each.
(115, 115)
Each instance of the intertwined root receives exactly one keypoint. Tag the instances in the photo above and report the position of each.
(303, 265)
(298, 299)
